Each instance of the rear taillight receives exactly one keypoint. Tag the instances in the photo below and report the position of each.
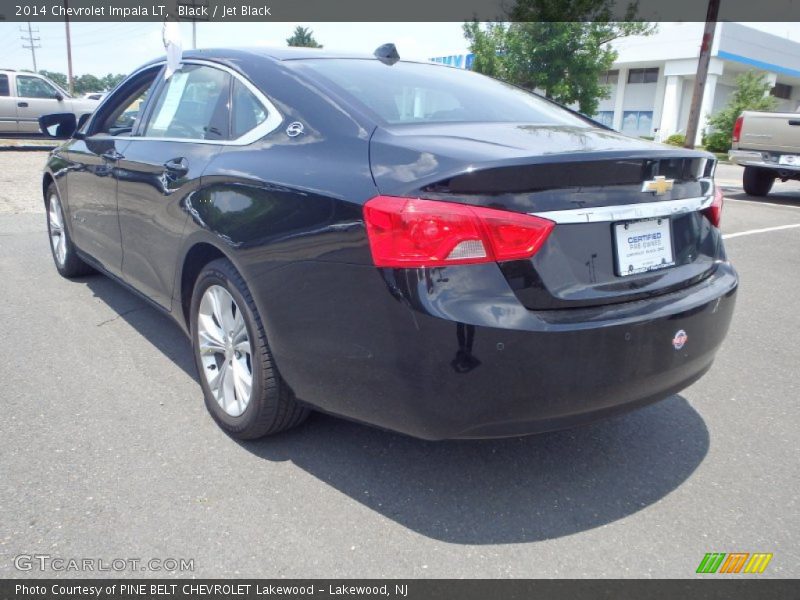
(410, 233)
(737, 129)
(714, 212)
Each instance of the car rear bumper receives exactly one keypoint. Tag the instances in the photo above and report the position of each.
(451, 353)
(752, 158)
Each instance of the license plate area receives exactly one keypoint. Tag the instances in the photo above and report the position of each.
(792, 160)
(642, 246)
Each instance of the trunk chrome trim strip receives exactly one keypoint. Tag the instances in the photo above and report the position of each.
(627, 212)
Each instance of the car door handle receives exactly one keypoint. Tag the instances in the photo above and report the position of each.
(22, 104)
(794, 122)
(112, 155)
(177, 167)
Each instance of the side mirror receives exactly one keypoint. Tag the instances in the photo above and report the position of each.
(58, 96)
(61, 126)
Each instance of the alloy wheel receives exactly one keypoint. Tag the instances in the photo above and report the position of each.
(58, 240)
(225, 350)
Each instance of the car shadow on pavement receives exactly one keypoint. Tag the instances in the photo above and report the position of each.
(477, 491)
(503, 491)
(152, 324)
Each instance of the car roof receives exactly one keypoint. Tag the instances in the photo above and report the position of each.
(277, 54)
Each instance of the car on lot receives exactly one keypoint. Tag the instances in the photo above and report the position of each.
(404, 244)
(24, 97)
(767, 145)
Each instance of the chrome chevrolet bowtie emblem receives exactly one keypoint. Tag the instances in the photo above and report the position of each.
(659, 186)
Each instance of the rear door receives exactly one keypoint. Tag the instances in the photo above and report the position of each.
(187, 126)
(8, 106)
(37, 97)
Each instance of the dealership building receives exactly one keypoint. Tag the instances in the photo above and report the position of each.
(652, 80)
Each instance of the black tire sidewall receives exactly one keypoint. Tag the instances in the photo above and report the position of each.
(757, 182)
(215, 274)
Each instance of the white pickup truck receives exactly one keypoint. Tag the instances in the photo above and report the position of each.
(767, 145)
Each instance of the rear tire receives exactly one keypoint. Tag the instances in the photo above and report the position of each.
(242, 387)
(66, 258)
(757, 182)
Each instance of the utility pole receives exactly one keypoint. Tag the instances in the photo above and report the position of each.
(702, 73)
(70, 80)
(32, 45)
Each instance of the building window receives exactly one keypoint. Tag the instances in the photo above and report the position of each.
(637, 122)
(782, 91)
(643, 75)
(610, 77)
(606, 117)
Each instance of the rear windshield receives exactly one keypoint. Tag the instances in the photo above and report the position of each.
(421, 93)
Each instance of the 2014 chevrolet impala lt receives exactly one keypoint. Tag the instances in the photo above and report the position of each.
(404, 244)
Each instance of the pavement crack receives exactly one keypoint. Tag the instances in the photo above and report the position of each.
(122, 314)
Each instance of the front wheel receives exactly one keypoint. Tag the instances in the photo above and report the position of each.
(68, 263)
(242, 387)
(757, 182)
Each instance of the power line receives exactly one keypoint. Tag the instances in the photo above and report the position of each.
(32, 45)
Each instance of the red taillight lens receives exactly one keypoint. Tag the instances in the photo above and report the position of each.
(737, 129)
(410, 232)
(714, 212)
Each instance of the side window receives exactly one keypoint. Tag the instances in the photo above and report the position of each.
(4, 91)
(248, 112)
(33, 87)
(193, 104)
(122, 111)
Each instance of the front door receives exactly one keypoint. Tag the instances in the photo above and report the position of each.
(92, 180)
(37, 97)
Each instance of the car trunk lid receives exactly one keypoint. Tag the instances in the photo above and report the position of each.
(591, 182)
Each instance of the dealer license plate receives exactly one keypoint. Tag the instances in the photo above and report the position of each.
(789, 159)
(643, 246)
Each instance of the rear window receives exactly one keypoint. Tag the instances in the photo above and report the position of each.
(3, 85)
(422, 93)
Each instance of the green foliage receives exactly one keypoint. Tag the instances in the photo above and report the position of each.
(556, 47)
(58, 78)
(676, 139)
(303, 37)
(718, 141)
(751, 93)
(85, 83)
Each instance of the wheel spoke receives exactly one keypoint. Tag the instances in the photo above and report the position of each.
(225, 350)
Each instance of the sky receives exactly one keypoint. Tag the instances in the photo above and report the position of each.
(100, 48)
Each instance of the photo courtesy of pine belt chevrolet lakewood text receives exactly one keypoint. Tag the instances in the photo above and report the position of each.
(400, 243)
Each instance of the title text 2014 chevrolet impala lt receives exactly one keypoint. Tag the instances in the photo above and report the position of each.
(404, 244)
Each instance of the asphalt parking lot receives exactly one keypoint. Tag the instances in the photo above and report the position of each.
(107, 451)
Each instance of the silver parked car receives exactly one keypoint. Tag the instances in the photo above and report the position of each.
(24, 97)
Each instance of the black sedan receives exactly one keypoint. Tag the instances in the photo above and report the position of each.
(404, 244)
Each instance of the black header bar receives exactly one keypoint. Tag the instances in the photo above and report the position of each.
(375, 10)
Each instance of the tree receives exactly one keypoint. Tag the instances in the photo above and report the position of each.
(85, 83)
(752, 93)
(559, 48)
(58, 78)
(303, 37)
(110, 80)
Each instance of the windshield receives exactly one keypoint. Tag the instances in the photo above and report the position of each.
(426, 93)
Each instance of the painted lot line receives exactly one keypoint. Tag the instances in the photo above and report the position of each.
(761, 203)
(764, 230)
